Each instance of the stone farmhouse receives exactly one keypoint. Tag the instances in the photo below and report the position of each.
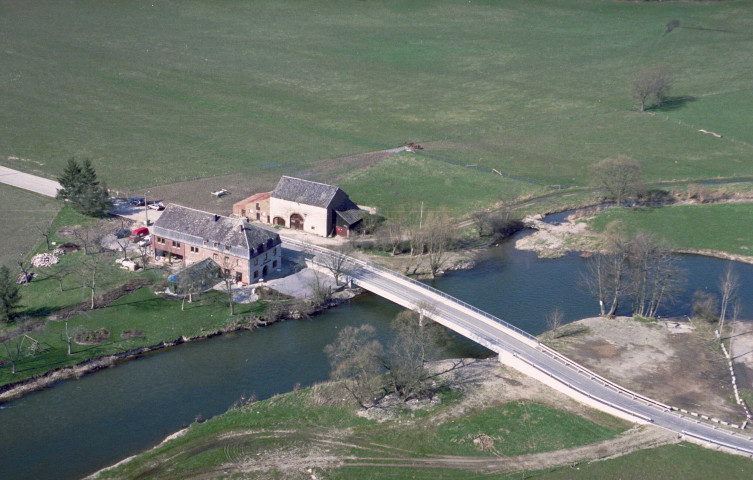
(243, 251)
(299, 204)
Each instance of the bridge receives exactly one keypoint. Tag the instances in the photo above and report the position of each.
(522, 351)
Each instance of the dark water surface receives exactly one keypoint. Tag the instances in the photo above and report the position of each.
(82, 425)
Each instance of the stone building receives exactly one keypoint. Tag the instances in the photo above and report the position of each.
(313, 207)
(243, 251)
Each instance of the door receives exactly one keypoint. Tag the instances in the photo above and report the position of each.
(296, 222)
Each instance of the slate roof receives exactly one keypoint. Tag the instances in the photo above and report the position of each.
(196, 227)
(304, 191)
(349, 212)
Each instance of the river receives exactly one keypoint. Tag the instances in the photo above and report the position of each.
(82, 425)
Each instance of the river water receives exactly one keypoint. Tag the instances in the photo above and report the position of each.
(82, 425)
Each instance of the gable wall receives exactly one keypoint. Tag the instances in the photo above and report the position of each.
(317, 220)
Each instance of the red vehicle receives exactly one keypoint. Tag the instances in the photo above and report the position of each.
(138, 234)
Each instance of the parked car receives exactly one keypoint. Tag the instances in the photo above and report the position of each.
(156, 206)
(138, 234)
(146, 241)
(122, 233)
(136, 201)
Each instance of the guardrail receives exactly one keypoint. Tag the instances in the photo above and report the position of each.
(386, 271)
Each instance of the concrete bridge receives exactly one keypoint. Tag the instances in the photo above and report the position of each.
(525, 353)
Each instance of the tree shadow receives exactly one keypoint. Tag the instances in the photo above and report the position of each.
(671, 104)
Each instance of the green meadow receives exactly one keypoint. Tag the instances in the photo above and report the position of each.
(721, 227)
(164, 92)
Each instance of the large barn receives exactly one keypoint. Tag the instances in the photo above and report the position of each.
(313, 207)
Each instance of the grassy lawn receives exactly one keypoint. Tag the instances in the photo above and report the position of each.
(536, 90)
(160, 321)
(722, 227)
(683, 461)
(22, 213)
(290, 422)
(404, 181)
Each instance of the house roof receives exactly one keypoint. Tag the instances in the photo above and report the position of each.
(304, 191)
(196, 227)
(349, 212)
(257, 197)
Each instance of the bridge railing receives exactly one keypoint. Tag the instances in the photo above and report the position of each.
(386, 271)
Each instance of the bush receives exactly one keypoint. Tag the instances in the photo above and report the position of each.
(705, 306)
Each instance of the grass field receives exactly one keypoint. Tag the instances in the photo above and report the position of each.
(162, 92)
(282, 436)
(722, 227)
(160, 321)
(22, 214)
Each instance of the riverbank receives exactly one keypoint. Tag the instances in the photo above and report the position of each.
(17, 390)
(486, 420)
(690, 228)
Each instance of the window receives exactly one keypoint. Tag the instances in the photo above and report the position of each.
(195, 249)
(238, 277)
(176, 244)
(216, 257)
(227, 260)
(238, 262)
(227, 247)
(274, 264)
(216, 245)
(205, 243)
(243, 212)
(258, 207)
(256, 273)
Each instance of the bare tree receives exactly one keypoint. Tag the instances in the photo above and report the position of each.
(59, 272)
(91, 270)
(321, 291)
(439, 235)
(44, 230)
(651, 83)
(336, 262)
(705, 306)
(25, 267)
(654, 276)
(144, 253)
(619, 178)
(729, 283)
(554, 321)
(606, 274)
(228, 279)
(355, 358)
(17, 341)
(123, 244)
(415, 340)
(90, 237)
(481, 221)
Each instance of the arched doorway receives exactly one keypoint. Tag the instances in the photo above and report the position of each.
(296, 222)
(264, 271)
(279, 221)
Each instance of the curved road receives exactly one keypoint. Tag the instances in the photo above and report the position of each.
(524, 352)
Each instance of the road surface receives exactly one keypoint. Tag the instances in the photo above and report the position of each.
(33, 183)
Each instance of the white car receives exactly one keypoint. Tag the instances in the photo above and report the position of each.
(156, 206)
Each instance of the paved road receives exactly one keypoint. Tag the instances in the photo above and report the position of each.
(33, 183)
(525, 353)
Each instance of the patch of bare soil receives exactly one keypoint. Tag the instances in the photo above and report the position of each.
(554, 240)
(198, 193)
(741, 351)
(667, 361)
(345, 167)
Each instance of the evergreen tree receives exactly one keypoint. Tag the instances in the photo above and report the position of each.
(10, 296)
(70, 181)
(82, 189)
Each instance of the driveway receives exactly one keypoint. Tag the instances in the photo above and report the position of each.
(33, 183)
